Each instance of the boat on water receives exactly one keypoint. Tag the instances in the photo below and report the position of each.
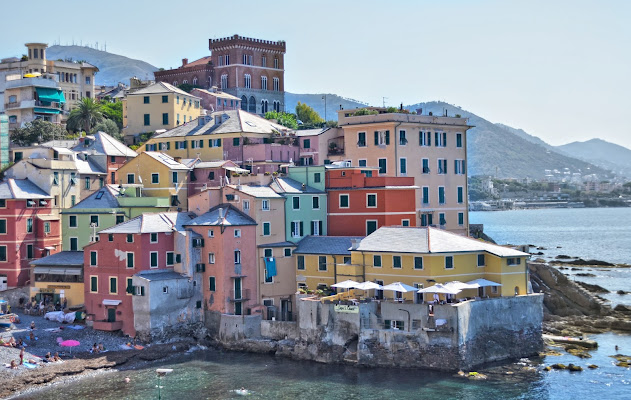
(592, 344)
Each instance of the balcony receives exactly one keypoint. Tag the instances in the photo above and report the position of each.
(32, 104)
(108, 326)
(26, 82)
(349, 271)
(242, 295)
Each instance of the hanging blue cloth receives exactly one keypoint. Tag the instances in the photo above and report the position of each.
(270, 267)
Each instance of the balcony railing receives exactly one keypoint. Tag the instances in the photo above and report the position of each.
(241, 295)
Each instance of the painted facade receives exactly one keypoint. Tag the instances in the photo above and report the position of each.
(59, 277)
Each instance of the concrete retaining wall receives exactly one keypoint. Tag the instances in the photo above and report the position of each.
(279, 330)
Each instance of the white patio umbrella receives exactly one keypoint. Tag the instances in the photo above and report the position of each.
(400, 287)
(368, 286)
(347, 284)
(439, 288)
(483, 282)
(460, 285)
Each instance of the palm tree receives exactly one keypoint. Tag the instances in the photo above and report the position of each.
(87, 114)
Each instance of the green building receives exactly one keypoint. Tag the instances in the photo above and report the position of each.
(109, 206)
(312, 175)
(305, 208)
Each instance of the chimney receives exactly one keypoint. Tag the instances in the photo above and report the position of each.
(220, 219)
(213, 89)
(184, 62)
(355, 243)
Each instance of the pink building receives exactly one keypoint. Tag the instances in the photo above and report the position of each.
(207, 174)
(28, 229)
(229, 254)
(216, 100)
(146, 242)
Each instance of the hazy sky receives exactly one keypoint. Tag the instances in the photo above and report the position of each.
(560, 70)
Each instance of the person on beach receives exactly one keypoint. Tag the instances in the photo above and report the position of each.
(19, 343)
(31, 336)
(13, 365)
(22, 356)
(101, 347)
(56, 357)
(12, 342)
(47, 358)
(32, 325)
(95, 349)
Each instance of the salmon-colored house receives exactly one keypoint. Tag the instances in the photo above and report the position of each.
(359, 203)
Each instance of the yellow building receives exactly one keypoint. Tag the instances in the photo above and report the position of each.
(58, 277)
(157, 175)
(418, 257)
(160, 106)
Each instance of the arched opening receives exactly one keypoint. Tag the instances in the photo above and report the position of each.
(264, 105)
(244, 103)
(516, 290)
(252, 105)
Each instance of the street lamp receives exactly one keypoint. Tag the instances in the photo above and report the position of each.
(400, 309)
(324, 97)
(161, 372)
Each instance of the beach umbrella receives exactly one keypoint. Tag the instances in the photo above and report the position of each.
(483, 282)
(347, 284)
(460, 285)
(438, 288)
(69, 343)
(400, 287)
(368, 286)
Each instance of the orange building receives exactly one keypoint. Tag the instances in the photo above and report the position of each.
(359, 204)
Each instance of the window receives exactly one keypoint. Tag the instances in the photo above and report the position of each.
(297, 229)
(287, 252)
(316, 177)
(235, 142)
(449, 262)
(237, 257)
(153, 256)
(382, 138)
(460, 218)
(427, 219)
(120, 219)
(344, 201)
(321, 263)
(130, 260)
(94, 284)
(361, 139)
(165, 99)
(441, 219)
(94, 219)
(426, 166)
(425, 196)
(402, 139)
(442, 166)
(211, 283)
(224, 81)
(513, 261)
(155, 178)
(383, 166)
(276, 85)
(265, 205)
(376, 261)
(441, 195)
(29, 225)
(73, 200)
(74, 244)
(396, 261)
(110, 237)
(170, 258)
(371, 200)
(113, 285)
(275, 62)
(211, 258)
(131, 179)
(174, 177)
(424, 138)
(371, 226)
(130, 238)
(295, 203)
(211, 233)
(147, 120)
(247, 81)
(237, 233)
(301, 263)
(458, 139)
(316, 228)
(403, 166)
(55, 178)
(3, 226)
(405, 222)
(165, 118)
(315, 203)
(93, 258)
(459, 167)
(29, 251)
(72, 221)
(101, 182)
(440, 139)
(418, 262)
(268, 253)
(481, 260)
(460, 194)
(130, 287)
(266, 228)
(146, 100)
(264, 82)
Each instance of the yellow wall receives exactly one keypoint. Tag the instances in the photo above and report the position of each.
(73, 291)
(134, 110)
(313, 276)
(206, 153)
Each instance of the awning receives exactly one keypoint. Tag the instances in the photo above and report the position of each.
(237, 169)
(58, 271)
(46, 110)
(48, 217)
(50, 95)
(111, 302)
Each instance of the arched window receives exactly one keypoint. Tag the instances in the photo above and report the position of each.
(174, 83)
(185, 82)
(195, 81)
(264, 105)
(264, 82)
(244, 103)
(252, 104)
(224, 81)
(248, 81)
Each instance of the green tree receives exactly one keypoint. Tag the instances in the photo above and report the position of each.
(114, 112)
(308, 115)
(87, 114)
(284, 119)
(365, 111)
(187, 87)
(37, 131)
(108, 126)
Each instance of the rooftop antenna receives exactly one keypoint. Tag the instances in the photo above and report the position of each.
(384, 101)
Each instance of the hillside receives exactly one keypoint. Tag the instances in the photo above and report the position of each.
(522, 134)
(112, 67)
(316, 102)
(601, 153)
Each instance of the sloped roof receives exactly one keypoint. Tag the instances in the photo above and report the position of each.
(288, 185)
(21, 189)
(62, 258)
(108, 199)
(325, 245)
(160, 275)
(68, 144)
(105, 144)
(311, 132)
(222, 95)
(88, 167)
(257, 191)
(202, 61)
(160, 87)
(230, 217)
(152, 223)
(166, 160)
(429, 240)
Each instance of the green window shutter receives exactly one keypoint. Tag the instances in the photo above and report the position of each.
(113, 285)
(436, 138)
(235, 142)
(460, 195)
(387, 138)
(320, 228)
(93, 284)
(211, 283)
(3, 226)
(301, 229)
(201, 144)
(376, 138)
(218, 142)
(165, 118)
(444, 139)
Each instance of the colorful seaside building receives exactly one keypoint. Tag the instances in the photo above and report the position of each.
(29, 228)
(59, 277)
(106, 152)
